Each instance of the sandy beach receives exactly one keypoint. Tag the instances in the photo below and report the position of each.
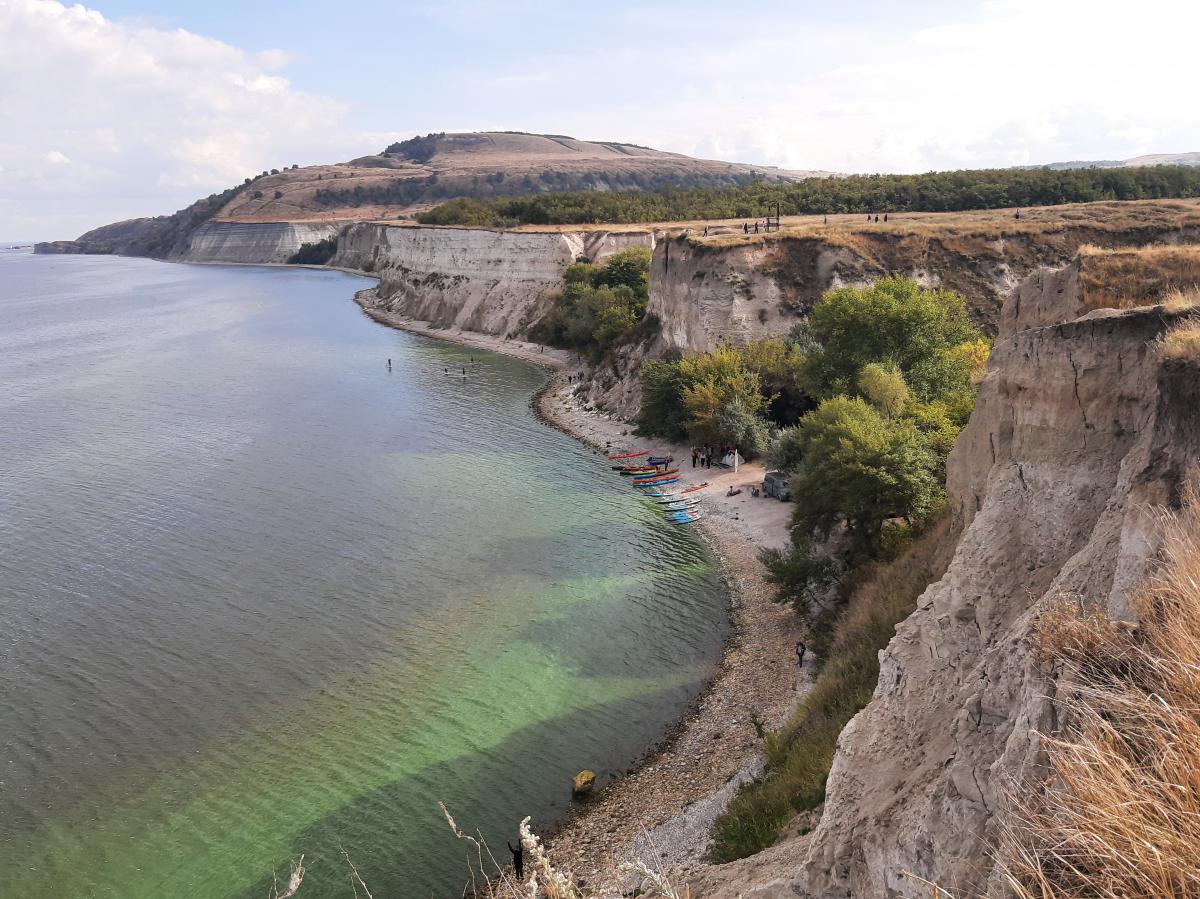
(660, 811)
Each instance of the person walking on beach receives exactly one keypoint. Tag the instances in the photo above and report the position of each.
(518, 855)
(801, 649)
(695, 456)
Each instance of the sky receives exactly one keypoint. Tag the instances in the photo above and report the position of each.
(136, 107)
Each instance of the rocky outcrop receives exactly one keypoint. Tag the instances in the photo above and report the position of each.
(1078, 435)
(259, 243)
(494, 282)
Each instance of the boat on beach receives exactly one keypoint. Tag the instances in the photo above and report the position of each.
(632, 455)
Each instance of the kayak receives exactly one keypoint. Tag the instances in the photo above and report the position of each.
(683, 518)
(630, 455)
(662, 496)
(694, 488)
(674, 497)
(679, 507)
(627, 472)
(659, 483)
(646, 478)
(662, 471)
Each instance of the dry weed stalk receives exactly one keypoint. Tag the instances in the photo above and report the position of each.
(293, 884)
(545, 881)
(1120, 817)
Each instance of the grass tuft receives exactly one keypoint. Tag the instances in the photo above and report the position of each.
(1120, 815)
(1181, 343)
(799, 756)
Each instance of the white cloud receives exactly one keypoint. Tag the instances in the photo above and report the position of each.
(149, 118)
(1000, 83)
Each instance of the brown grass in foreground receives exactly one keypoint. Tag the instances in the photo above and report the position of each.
(1121, 814)
(1137, 276)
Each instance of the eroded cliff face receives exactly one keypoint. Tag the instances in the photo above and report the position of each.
(260, 243)
(494, 282)
(1079, 434)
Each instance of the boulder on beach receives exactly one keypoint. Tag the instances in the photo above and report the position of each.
(583, 783)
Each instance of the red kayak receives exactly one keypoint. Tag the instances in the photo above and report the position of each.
(630, 455)
(694, 488)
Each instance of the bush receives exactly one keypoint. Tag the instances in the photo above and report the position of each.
(315, 253)
(600, 305)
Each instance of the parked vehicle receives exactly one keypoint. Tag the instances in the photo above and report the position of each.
(775, 483)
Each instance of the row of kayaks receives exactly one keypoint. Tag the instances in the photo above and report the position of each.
(678, 504)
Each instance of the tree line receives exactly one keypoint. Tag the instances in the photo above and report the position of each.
(930, 192)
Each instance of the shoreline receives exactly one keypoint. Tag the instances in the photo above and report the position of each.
(658, 812)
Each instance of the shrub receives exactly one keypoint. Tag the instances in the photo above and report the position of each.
(315, 253)
(600, 305)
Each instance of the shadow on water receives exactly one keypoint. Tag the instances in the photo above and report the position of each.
(401, 845)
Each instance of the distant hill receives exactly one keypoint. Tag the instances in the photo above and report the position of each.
(1135, 162)
(416, 174)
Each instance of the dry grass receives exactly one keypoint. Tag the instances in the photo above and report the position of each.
(490, 880)
(1130, 277)
(1182, 343)
(1120, 816)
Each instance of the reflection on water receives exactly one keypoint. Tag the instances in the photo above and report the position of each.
(259, 596)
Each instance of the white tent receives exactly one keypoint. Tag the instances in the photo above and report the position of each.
(733, 460)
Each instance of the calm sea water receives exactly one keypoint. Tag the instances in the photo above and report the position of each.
(260, 597)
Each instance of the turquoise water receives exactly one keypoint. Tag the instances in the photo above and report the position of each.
(261, 597)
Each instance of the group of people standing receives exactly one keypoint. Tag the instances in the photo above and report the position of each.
(702, 456)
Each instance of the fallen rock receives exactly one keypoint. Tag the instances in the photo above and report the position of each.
(583, 783)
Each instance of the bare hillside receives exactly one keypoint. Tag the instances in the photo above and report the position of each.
(421, 172)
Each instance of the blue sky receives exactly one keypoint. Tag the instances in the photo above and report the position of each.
(125, 108)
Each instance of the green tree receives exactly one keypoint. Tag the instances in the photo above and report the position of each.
(861, 469)
(893, 321)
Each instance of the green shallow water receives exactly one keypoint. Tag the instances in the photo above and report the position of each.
(262, 597)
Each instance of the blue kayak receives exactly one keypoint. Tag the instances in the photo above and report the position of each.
(683, 517)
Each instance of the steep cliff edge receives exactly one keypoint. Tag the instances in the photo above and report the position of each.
(1080, 432)
(729, 287)
(493, 282)
(263, 242)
